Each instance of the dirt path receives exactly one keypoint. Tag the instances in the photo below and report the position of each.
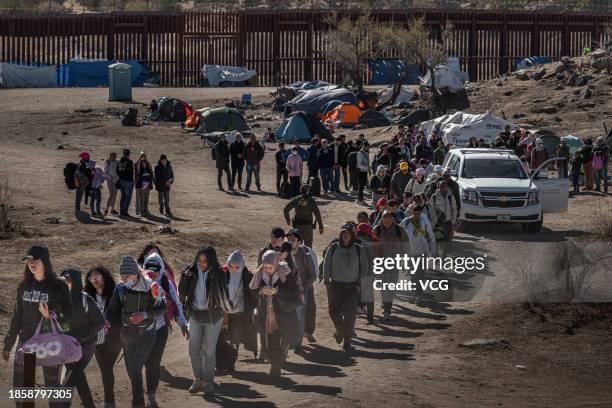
(412, 361)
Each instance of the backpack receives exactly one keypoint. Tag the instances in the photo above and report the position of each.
(333, 247)
(81, 181)
(285, 190)
(398, 230)
(130, 118)
(315, 186)
(352, 161)
(101, 335)
(69, 171)
(226, 354)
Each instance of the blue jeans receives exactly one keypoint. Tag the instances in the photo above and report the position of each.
(601, 175)
(252, 168)
(326, 175)
(96, 198)
(77, 200)
(164, 201)
(301, 315)
(127, 187)
(203, 348)
(135, 356)
(336, 180)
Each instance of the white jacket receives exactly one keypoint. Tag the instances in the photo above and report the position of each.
(447, 204)
(363, 161)
(110, 170)
(419, 244)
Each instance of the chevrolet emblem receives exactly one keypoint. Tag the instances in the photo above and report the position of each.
(503, 199)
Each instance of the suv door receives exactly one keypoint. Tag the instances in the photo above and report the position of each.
(554, 191)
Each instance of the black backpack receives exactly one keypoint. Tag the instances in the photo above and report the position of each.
(352, 161)
(226, 354)
(69, 171)
(315, 186)
(130, 118)
(285, 190)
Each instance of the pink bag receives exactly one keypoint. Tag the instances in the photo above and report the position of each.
(52, 349)
(598, 162)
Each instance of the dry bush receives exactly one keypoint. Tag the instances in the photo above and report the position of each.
(601, 223)
(6, 209)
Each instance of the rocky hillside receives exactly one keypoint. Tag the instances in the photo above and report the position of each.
(573, 96)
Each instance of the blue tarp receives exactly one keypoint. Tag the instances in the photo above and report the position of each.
(309, 85)
(531, 61)
(391, 71)
(94, 73)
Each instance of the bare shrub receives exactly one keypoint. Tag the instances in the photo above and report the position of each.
(6, 210)
(601, 223)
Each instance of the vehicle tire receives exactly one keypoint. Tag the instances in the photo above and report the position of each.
(461, 226)
(535, 227)
(524, 226)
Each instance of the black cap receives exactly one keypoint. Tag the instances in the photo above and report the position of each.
(37, 252)
(277, 232)
(286, 247)
(296, 233)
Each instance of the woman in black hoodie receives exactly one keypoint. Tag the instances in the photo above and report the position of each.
(39, 294)
(100, 285)
(87, 320)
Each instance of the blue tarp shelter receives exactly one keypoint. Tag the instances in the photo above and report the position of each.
(390, 71)
(94, 73)
(531, 61)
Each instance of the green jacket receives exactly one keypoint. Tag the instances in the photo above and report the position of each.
(304, 208)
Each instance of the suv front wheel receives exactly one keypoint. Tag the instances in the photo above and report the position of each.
(533, 227)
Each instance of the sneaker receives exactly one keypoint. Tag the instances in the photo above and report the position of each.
(161, 211)
(209, 389)
(310, 338)
(197, 386)
(387, 316)
(152, 401)
(347, 346)
(338, 336)
(169, 215)
(113, 212)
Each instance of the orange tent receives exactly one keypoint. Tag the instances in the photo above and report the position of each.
(344, 114)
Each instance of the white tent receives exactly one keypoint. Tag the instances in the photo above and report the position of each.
(404, 96)
(25, 76)
(216, 74)
(448, 75)
(457, 128)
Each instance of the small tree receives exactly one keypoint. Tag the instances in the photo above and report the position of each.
(412, 43)
(351, 43)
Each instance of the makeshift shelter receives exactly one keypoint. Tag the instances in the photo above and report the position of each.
(389, 71)
(459, 127)
(27, 76)
(415, 117)
(531, 61)
(227, 76)
(573, 142)
(306, 85)
(300, 126)
(94, 73)
(345, 114)
(374, 118)
(445, 77)
(313, 101)
(171, 110)
(405, 95)
(224, 119)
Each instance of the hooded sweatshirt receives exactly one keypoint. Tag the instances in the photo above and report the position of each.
(294, 165)
(345, 263)
(379, 181)
(85, 324)
(174, 308)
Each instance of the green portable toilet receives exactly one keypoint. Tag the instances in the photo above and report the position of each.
(119, 82)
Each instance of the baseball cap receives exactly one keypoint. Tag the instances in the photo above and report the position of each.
(277, 232)
(37, 252)
(403, 166)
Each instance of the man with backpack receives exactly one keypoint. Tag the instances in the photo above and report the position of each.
(393, 241)
(125, 170)
(345, 264)
(221, 155)
(305, 208)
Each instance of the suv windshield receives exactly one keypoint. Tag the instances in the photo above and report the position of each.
(493, 168)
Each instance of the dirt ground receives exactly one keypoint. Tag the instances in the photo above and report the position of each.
(412, 361)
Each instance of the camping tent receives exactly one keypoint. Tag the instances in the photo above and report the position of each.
(224, 75)
(345, 114)
(445, 78)
(329, 106)
(550, 138)
(313, 101)
(219, 120)
(459, 127)
(573, 142)
(390, 71)
(300, 126)
(171, 110)
(27, 76)
(374, 118)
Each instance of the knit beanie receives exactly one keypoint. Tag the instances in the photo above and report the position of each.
(128, 266)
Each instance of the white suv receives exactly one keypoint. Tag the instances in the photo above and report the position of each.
(493, 186)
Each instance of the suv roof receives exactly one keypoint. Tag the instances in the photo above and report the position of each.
(486, 153)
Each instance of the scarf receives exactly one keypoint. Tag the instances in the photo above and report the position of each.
(281, 270)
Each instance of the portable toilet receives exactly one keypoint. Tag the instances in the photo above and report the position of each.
(119, 82)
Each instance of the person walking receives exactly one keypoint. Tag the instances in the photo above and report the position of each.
(86, 323)
(418, 183)
(295, 167)
(203, 291)
(237, 160)
(279, 298)
(136, 303)
(164, 177)
(97, 181)
(539, 154)
(221, 155)
(277, 236)
(563, 151)
(369, 241)
(100, 285)
(325, 160)
(306, 265)
(281, 168)
(380, 184)
(40, 296)
(82, 179)
(238, 322)
(155, 269)
(444, 200)
(392, 241)
(363, 169)
(112, 180)
(313, 157)
(305, 208)
(399, 180)
(144, 179)
(339, 150)
(345, 264)
(586, 152)
(439, 153)
(254, 154)
(125, 170)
